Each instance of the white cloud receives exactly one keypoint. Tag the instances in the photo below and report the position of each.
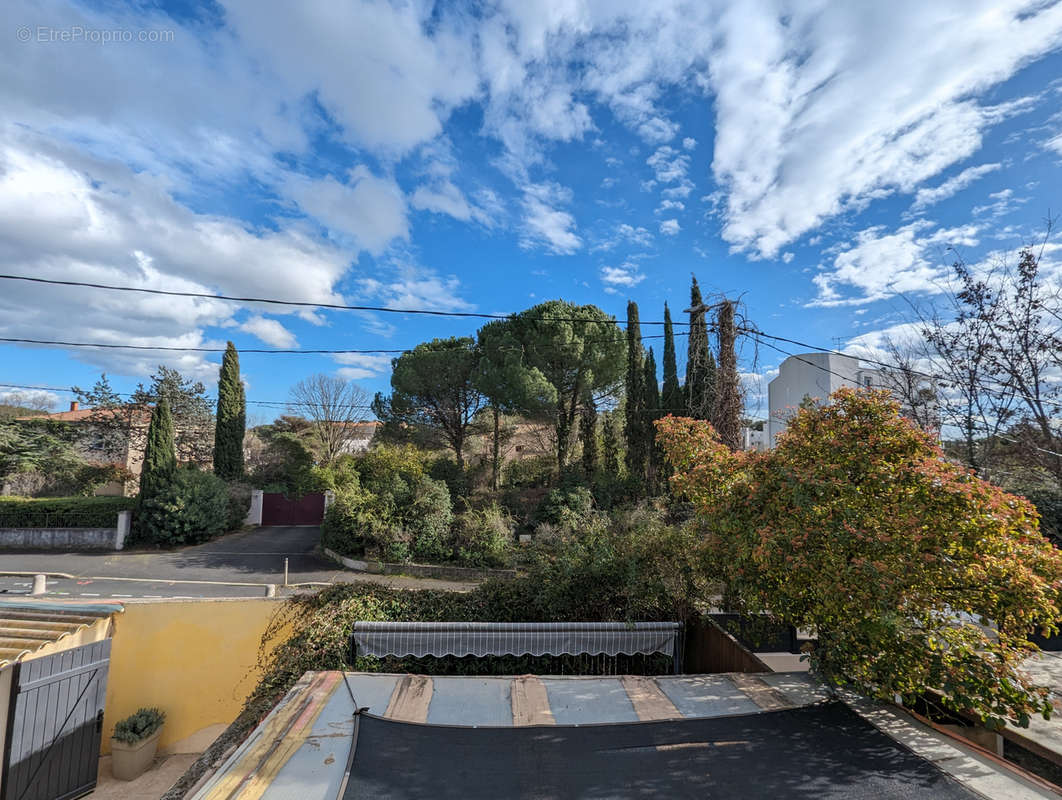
(67, 217)
(953, 185)
(689, 143)
(416, 287)
(638, 236)
(1055, 143)
(881, 264)
(444, 197)
(544, 224)
(363, 365)
(670, 205)
(787, 257)
(817, 122)
(670, 227)
(626, 275)
(1003, 202)
(388, 74)
(269, 331)
(30, 398)
(369, 210)
(669, 164)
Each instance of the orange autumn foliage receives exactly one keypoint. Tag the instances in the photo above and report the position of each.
(914, 573)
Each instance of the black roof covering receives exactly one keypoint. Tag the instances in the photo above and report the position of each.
(815, 752)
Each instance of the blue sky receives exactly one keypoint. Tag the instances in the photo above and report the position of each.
(816, 159)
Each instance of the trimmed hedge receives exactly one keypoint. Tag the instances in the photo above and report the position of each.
(63, 512)
(190, 508)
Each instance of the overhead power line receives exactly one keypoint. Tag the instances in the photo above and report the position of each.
(293, 303)
(171, 348)
(263, 351)
(268, 403)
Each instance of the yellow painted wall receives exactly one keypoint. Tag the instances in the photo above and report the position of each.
(194, 659)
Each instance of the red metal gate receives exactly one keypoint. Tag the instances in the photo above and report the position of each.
(278, 509)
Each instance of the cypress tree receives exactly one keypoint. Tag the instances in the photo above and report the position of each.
(699, 385)
(671, 399)
(610, 445)
(588, 436)
(650, 413)
(160, 459)
(726, 411)
(231, 418)
(634, 429)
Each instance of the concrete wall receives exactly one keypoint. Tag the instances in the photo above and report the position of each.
(67, 539)
(254, 513)
(197, 660)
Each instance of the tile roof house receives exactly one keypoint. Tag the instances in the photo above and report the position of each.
(97, 448)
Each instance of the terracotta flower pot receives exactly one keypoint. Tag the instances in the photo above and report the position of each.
(130, 761)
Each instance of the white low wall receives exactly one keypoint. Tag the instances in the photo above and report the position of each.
(67, 538)
(254, 513)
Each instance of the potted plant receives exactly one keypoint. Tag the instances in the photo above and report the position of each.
(134, 742)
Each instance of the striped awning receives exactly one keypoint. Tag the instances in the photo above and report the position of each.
(514, 638)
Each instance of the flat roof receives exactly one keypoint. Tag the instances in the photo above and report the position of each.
(300, 750)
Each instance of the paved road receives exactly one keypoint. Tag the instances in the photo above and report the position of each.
(111, 589)
(238, 565)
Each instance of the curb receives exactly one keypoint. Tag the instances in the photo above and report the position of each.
(445, 573)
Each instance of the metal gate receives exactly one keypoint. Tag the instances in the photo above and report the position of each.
(55, 721)
(280, 510)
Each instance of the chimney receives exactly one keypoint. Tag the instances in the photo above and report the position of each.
(73, 405)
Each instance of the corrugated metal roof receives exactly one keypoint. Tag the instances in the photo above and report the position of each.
(27, 627)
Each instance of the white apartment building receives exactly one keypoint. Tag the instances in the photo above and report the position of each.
(816, 375)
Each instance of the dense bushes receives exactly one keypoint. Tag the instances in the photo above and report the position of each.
(482, 538)
(387, 507)
(632, 568)
(526, 473)
(1048, 504)
(238, 506)
(191, 507)
(74, 512)
(567, 505)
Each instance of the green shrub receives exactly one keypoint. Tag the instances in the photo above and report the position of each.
(634, 569)
(139, 726)
(193, 507)
(339, 476)
(457, 480)
(63, 512)
(343, 528)
(239, 505)
(483, 538)
(567, 506)
(403, 519)
(1048, 503)
(428, 521)
(382, 467)
(525, 473)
